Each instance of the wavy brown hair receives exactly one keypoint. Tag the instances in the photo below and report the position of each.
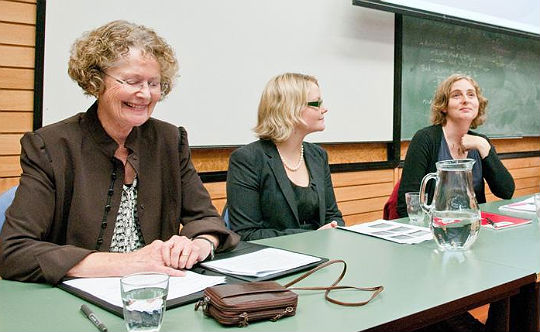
(442, 95)
(100, 49)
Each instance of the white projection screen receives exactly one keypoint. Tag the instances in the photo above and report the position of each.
(228, 50)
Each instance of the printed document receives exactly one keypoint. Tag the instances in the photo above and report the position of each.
(392, 231)
(261, 263)
(108, 289)
(522, 206)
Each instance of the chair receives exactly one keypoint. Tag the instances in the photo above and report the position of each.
(5, 201)
(390, 207)
(225, 216)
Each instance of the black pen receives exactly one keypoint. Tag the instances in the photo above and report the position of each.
(92, 317)
(491, 222)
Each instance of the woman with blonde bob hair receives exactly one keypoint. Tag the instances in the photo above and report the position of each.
(458, 106)
(280, 184)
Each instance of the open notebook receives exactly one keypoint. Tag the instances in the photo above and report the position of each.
(248, 262)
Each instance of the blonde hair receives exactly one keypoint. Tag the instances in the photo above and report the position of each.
(281, 105)
(99, 49)
(442, 95)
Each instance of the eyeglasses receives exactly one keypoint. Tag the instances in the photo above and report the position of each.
(137, 85)
(316, 103)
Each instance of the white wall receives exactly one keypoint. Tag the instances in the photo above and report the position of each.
(228, 50)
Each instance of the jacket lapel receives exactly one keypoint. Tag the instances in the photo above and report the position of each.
(316, 172)
(274, 161)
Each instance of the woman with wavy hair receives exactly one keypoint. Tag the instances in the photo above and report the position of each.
(457, 107)
(280, 184)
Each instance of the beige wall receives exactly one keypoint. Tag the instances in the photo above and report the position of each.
(361, 195)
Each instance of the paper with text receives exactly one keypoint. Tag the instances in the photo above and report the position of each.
(393, 231)
(526, 205)
(261, 263)
(108, 289)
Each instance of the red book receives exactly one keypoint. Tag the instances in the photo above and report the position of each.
(498, 221)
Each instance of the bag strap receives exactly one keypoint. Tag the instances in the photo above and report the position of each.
(376, 290)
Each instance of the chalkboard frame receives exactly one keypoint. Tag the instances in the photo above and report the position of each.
(397, 9)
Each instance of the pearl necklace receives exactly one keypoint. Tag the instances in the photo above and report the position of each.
(298, 164)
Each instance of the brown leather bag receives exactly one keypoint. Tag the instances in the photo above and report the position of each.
(239, 304)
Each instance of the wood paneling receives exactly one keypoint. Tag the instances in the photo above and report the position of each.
(10, 166)
(362, 217)
(16, 56)
(16, 100)
(9, 144)
(217, 190)
(362, 177)
(17, 34)
(18, 12)
(352, 193)
(355, 152)
(362, 205)
(16, 78)
(15, 122)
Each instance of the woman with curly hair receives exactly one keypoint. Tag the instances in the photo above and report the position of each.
(457, 107)
(111, 191)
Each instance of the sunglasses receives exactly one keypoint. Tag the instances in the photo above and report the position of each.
(316, 103)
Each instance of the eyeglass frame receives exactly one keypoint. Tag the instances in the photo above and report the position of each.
(139, 85)
(315, 103)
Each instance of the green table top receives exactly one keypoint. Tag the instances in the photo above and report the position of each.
(418, 280)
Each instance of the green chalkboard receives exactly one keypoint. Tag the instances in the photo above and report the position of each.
(506, 67)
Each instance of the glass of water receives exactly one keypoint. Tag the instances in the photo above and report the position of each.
(415, 212)
(144, 298)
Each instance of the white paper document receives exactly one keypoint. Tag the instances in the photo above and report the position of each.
(393, 231)
(521, 206)
(261, 263)
(108, 289)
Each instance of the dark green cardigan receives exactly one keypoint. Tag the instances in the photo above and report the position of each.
(260, 198)
(421, 158)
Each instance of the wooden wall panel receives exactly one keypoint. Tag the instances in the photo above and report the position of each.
(10, 166)
(9, 144)
(17, 56)
(15, 122)
(16, 100)
(16, 78)
(17, 34)
(18, 12)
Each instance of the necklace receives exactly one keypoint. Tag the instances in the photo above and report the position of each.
(298, 164)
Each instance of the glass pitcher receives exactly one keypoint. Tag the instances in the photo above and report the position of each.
(454, 217)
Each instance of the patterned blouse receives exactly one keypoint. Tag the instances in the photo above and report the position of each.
(127, 235)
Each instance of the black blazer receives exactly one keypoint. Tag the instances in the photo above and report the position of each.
(260, 197)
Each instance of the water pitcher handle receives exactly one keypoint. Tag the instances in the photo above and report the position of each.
(423, 195)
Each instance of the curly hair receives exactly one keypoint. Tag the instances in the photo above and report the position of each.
(281, 105)
(99, 49)
(442, 95)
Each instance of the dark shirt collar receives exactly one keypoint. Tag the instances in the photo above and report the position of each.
(92, 127)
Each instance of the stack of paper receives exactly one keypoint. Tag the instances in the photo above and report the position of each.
(393, 231)
(522, 206)
(108, 289)
(261, 263)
